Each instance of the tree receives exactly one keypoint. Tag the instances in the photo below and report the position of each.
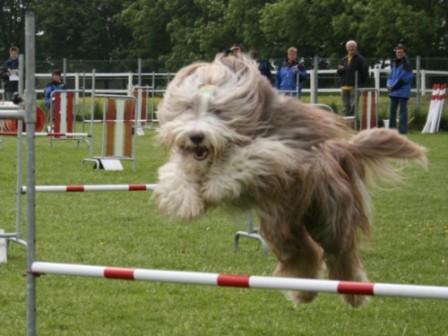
(89, 29)
(12, 23)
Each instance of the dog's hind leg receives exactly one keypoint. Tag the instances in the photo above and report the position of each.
(300, 258)
(347, 266)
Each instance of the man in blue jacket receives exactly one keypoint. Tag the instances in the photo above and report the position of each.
(287, 73)
(399, 86)
(55, 84)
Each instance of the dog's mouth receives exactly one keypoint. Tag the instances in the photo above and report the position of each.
(199, 153)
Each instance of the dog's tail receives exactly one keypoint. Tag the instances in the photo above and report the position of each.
(377, 149)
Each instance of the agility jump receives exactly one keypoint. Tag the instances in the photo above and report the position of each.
(118, 133)
(242, 281)
(35, 268)
(63, 117)
(435, 111)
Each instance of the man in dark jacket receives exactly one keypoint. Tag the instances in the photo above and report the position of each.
(351, 68)
(399, 86)
(10, 73)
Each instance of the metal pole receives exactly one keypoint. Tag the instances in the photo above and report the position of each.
(64, 70)
(355, 112)
(139, 72)
(315, 81)
(30, 99)
(134, 134)
(83, 105)
(21, 73)
(418, 84)
(19, 155)
(153, 96)
(92, 111)
(130, 83)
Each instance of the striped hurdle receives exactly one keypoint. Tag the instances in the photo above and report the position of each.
(243, 281)
(62, 111)
(435, 111)
(119, 127)
(368, 116)
(91, 188)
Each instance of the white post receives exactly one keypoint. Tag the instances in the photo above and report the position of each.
(76, 88)
(423, 82)
(376, 76)
(130, 76)
(3, 249)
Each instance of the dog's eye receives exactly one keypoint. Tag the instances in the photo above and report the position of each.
(216, 111)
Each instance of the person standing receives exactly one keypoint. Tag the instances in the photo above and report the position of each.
(11, 73)
(351, 68)
(399, 84)
(55, 84)
(291, 75)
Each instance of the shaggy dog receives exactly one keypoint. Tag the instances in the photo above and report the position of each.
(234, 139)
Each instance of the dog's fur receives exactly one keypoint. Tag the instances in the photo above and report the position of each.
(233, 138)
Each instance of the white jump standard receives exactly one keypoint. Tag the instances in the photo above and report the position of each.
(243, 281)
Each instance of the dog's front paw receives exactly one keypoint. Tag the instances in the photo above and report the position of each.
(219, 189)
(179, 202)
(176, 195)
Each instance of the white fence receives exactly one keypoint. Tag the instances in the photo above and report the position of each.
(123, 82)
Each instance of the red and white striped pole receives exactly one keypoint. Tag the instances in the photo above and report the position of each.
(45, 134)
(242, 281)
(92, 187)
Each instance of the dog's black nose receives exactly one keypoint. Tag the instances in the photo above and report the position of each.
(197, 138)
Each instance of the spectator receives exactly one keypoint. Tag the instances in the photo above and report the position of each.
(55, 84)
(291, 75)
(10, 73)
(399, 87)
(264, 66)
(353, 63)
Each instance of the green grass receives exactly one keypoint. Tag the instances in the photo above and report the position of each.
(409, 245)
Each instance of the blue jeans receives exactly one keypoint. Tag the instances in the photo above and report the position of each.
(403, 122)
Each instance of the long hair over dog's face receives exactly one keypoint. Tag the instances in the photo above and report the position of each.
(209, 106)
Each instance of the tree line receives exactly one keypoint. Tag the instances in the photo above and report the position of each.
(177, 32)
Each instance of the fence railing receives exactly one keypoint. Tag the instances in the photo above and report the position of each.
(325, 81)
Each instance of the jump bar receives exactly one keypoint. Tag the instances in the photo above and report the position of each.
(91, 187)
(11, 114)
(243, 281)
(45, 134)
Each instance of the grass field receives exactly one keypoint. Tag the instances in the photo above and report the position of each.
(409, 245)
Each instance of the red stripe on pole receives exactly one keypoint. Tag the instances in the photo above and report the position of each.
(69, 113)
(230, 280)
(119, 273)
(75, 188)
(137, 187)
(350, 287)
